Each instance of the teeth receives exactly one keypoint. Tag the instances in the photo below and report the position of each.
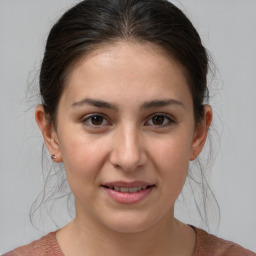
(131, 190)
(128, 190)
(124, 189)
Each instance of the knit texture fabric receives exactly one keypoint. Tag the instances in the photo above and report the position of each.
(206, 245)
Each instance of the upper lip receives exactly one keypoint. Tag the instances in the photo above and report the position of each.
(126, 184)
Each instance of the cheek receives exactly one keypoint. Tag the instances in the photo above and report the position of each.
(173, 151)
(83, 158)
(83, 161)
(171, 158)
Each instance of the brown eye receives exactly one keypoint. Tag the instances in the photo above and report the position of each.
(97, 120)
(161, 120)
(158, 120)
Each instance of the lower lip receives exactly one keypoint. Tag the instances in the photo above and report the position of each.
(128, 198)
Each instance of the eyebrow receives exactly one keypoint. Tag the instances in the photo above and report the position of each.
(162, 103)
(95, 103)
(147, 105)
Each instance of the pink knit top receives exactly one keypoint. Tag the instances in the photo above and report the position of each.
(206, 245)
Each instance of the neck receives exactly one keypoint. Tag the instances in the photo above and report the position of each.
(165, 238)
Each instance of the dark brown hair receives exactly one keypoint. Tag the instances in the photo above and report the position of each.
(94, 22)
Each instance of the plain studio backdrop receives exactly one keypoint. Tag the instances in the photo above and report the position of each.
(228, 30)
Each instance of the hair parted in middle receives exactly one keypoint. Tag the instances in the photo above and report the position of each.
(92, 23)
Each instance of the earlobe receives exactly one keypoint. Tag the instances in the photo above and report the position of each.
(201, 132)
(48, 132)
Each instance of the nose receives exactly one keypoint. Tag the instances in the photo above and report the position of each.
(128, 152)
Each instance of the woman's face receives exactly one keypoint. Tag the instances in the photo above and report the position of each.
(126, 132)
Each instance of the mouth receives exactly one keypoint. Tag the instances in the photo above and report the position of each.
(128, 189)
(128, 193)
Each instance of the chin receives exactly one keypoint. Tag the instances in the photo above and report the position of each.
(130, 223)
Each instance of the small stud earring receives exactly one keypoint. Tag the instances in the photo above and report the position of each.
(53, 157)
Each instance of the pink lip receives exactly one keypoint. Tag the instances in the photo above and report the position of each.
(125, 184)
(125, 197)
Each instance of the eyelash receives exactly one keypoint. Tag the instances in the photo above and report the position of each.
(168, 120)
(87, 120)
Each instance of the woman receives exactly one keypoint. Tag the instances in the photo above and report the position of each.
(123, 87)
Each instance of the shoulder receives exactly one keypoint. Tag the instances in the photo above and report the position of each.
(208, 244)
(47, 245)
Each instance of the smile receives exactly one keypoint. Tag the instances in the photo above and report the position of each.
(128, 193)
(128, 190)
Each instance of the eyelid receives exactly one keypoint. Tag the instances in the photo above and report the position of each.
(85, 118)
(170, 118)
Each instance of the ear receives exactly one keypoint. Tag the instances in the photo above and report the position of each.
(48, 132)
(200, 134)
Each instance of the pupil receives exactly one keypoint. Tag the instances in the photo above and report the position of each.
(97, 120)
(158, 120)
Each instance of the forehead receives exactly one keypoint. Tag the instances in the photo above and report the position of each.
(126, 69)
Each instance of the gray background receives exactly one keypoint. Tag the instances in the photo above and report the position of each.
(228, 31)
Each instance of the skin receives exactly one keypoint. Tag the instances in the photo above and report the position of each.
(126, 144)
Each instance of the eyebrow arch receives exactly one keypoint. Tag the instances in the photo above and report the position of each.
(146, 105)
(162, 103)
(94, 102)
